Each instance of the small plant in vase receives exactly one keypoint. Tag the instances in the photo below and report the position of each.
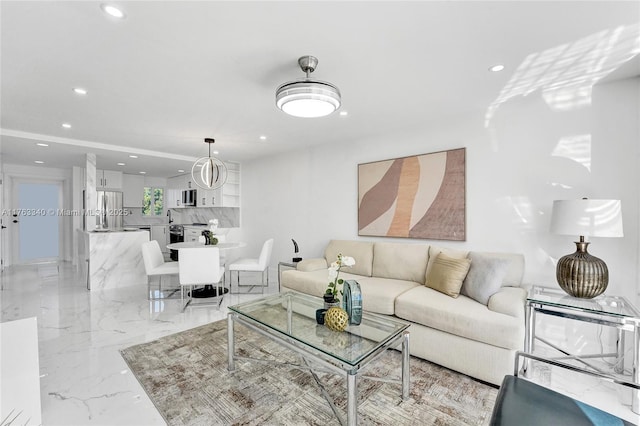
(331, 294)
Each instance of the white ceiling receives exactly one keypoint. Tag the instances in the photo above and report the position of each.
(173, 73)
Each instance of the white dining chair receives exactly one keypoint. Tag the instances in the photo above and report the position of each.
(261, 264)
(200, 266)
(155, 266)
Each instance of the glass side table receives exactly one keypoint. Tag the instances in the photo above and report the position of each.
(285, 265)
(612, 311)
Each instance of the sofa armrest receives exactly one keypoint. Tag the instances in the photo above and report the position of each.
(308, 265)
(509, 301)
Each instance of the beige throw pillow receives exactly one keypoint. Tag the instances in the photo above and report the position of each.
(447, 274)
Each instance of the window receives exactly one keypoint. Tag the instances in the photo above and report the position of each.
(153, 200)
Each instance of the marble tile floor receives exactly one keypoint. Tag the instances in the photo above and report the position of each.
(84, 380)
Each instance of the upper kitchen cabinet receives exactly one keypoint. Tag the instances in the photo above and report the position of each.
(226, 196)
(209, 197)
(133, 190)
(108, 179)
(231, 189)
(173, 197)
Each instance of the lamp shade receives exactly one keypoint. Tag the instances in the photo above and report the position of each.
(586, 217)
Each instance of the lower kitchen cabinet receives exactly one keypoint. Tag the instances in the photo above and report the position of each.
(160, 233)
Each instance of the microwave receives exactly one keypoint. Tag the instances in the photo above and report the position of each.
(189, 197)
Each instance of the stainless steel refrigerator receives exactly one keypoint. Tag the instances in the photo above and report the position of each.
(110, 210)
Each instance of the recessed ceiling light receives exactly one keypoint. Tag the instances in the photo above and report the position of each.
(496, 68)
(66, 125)
(120, 164)
(344, 113)
(39, 162)
(112, 11)
(42, 144)
(180, 171)
(133, 156)
(80, 90)
(263, 138)
(143, 173)
(216, 152)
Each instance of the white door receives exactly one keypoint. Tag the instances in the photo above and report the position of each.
(35, 222)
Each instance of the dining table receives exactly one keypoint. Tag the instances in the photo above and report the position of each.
(208, 290)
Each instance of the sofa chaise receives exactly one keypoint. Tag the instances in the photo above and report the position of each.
(476, 329)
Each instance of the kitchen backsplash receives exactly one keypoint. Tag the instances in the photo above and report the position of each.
(228, 217)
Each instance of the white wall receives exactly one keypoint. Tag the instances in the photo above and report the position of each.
(512, 179)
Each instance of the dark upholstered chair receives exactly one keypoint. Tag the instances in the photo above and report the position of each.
(524, 403)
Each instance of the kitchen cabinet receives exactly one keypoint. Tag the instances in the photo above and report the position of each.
(173, 198)
(210, 197)
(160, 233)
(108, 179)
(231, 189)
(133, 190)
(226, 196)
(192, 234)
(175, 182)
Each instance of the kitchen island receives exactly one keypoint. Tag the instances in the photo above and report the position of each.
(114, 258)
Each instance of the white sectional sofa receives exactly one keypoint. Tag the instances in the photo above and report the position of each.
(476, 334)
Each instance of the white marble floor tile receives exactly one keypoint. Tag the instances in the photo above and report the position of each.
(84, 380)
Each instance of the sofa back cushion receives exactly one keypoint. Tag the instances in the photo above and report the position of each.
(515, 270)
(400, 261)
(361, 251)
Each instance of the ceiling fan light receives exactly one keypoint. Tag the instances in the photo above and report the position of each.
(308, 98)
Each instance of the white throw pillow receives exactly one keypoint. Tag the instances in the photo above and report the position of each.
(485, 276)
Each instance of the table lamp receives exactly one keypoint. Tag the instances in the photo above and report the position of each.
(581, 274)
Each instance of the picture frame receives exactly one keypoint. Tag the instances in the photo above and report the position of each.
(420, 196)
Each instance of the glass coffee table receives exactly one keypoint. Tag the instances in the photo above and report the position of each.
(289, 319)
(612, 311)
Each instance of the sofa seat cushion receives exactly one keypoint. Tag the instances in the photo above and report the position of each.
(313, 283)
(379, 294)
(462, 316)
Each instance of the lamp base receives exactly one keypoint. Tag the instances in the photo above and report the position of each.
(581, 274)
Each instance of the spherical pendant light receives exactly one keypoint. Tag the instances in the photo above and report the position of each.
(307, 97)
(209, 172)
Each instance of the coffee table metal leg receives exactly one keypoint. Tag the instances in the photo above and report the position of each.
(352, 398)
(405, 366)
(230, 342)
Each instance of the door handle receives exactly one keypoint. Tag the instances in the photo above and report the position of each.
(15, 221)
(3, 227)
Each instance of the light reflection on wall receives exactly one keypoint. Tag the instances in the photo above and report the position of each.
(565, 74)
(576, 148)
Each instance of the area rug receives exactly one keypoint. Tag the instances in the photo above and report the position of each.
(186, 377)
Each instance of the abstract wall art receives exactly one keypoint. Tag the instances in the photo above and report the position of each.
(421, 196)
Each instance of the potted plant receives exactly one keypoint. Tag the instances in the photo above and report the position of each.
(330, 296)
